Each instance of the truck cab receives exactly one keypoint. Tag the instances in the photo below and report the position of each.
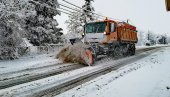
(99, 32)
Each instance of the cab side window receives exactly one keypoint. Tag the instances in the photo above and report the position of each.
(112, 27)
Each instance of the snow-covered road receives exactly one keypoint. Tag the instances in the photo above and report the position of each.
(46, 84)
(27, 62)
(148, 77)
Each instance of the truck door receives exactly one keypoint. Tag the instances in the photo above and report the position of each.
(113, 34)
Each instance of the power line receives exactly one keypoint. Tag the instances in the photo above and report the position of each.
(71, 4)
(65, 10)
(88, 10)
(82, 8)
(68, 7)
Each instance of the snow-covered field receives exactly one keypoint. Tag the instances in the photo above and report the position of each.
(148, 77)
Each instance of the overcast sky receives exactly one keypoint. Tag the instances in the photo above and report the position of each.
(144, 14)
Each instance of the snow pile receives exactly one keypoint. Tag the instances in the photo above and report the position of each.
(73, 53)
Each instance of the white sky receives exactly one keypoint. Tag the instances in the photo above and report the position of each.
(144, 14)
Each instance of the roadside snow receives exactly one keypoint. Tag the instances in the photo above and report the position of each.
(148, 77)
(27, 62)
(157, 45)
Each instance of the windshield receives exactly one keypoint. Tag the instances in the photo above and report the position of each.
(98, 27)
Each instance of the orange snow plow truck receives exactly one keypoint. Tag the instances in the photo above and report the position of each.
(107, 37)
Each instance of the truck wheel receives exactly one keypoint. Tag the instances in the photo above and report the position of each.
(117, 52)
(132, 50)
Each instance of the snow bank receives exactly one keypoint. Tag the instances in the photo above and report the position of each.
(73, 53)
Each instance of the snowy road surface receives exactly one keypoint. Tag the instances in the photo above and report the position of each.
(46, 84)
(27, 63)
(148, 77)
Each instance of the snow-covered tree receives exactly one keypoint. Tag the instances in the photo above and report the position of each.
(88, 12)
(12, 14)
(42, 27)
(162, 39)
(141, 37)
(151, 37)
(26, 18)
(74, 23)
(78, 18)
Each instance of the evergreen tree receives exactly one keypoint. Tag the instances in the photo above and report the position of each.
(12, 15)
(22, 18)
(88, 10)
(42, 26)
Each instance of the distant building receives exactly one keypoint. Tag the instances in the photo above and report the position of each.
(167, 5)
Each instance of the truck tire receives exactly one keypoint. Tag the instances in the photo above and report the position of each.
(132, 50)
(117, 52)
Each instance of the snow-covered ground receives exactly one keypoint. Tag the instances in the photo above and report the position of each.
(157, 45)
(34, 61)
(119, 81)
(27, 62)
(148, 77)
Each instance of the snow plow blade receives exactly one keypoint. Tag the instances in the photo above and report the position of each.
(78, 52)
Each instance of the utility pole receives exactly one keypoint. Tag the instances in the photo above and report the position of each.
(148, 35)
